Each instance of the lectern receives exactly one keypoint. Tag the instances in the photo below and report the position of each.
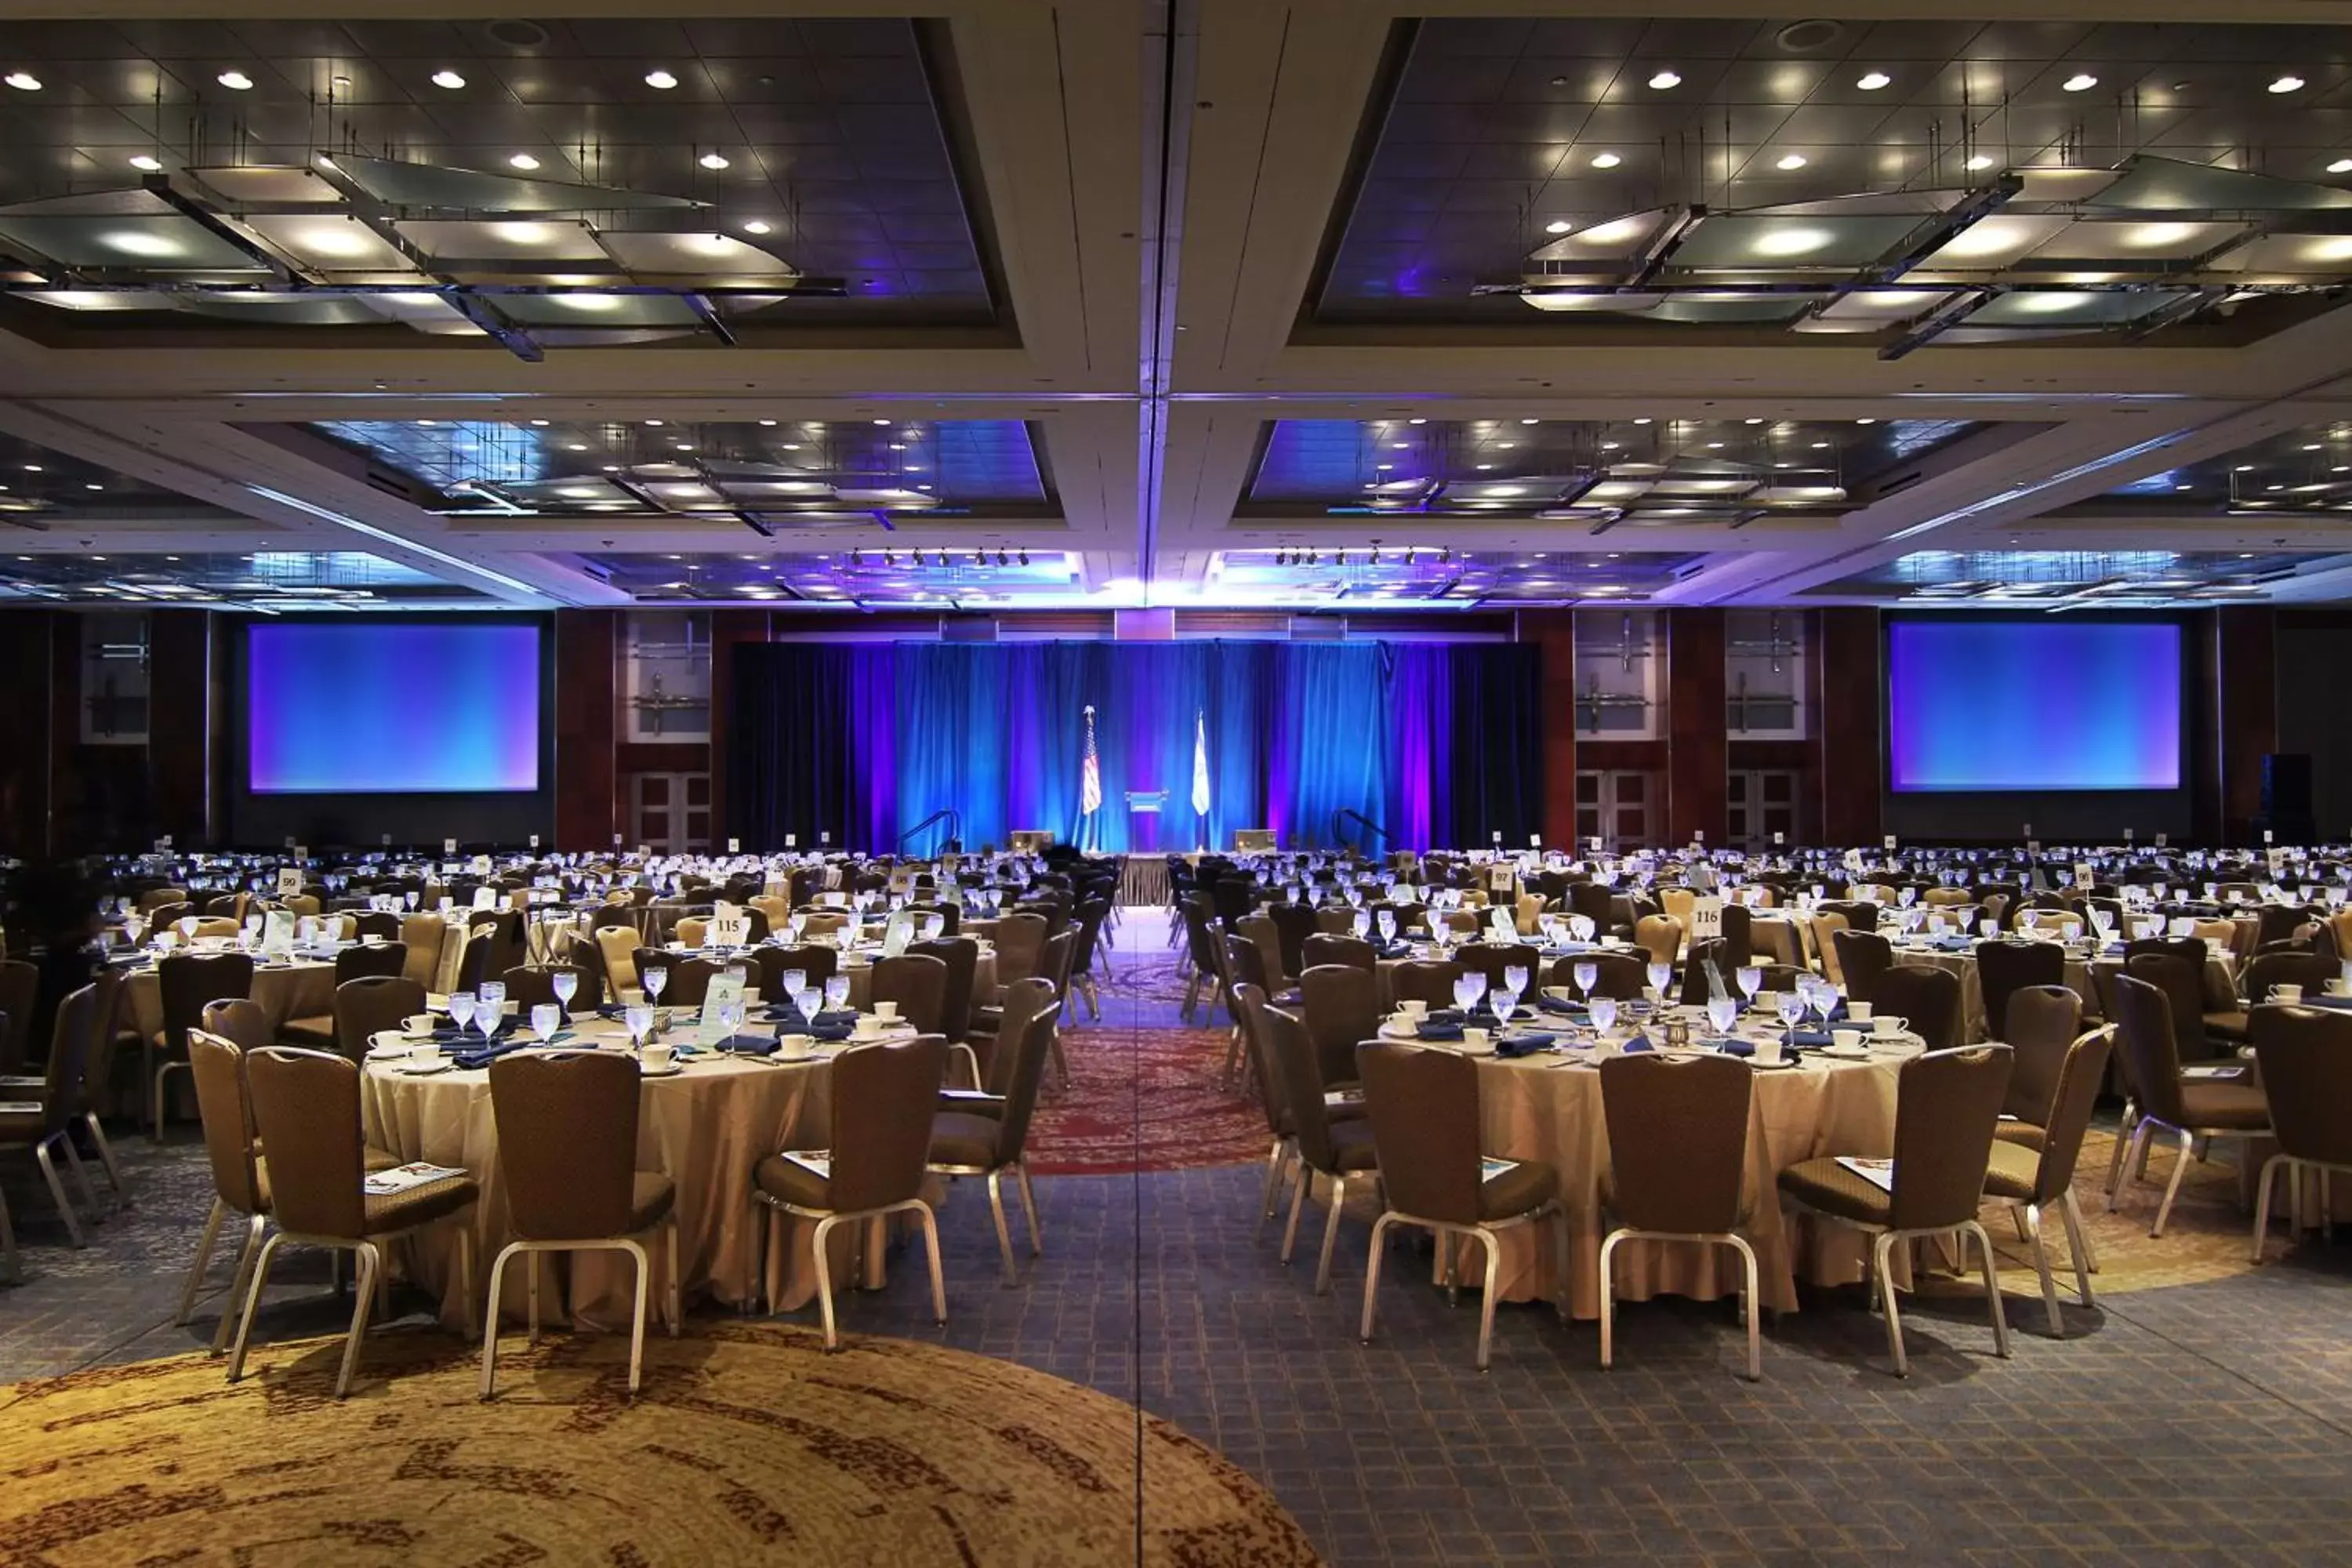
(1143, 808)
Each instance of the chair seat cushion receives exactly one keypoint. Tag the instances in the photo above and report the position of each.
(1352, 1147)
(2011, 1169)
(650, 1197)
(1527, 1184)
(318, 1031)
(2022, 1133)
(22, 1126)
(2227, 1026)
(1826, 1185)
(398, 1211)
(1746, 1210)
(371, 1159)
(991, 1106)
(960, 1138)
(2217, 1103)
(790, 1182)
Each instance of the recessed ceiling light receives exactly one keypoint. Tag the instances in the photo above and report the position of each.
(1714, 446)
(92, 485)
(661, 79)
(1821, 446)
(2341, 166)
(1644, 419)
(1793, 161)
(1981, 160)
(1417, 421)
(1870, 82)
(713, 161)
(1530, 422)
(881, 422)
(790, 447)
(656, 423)
(2081, 81)
(2243, 468)
(1755, 421)
(1558, 226)
(1504, 445)
(449, 79)
(757, 226)
(1607, 161)
(576, 445)
(142, 161)
(1866, 421)
(1667, 79)
(2182, 485)
(1485, 465)
(2286, 84)
(24, 81)
(32, 468)
(236, 81)
(522, 161)
(1383, 468)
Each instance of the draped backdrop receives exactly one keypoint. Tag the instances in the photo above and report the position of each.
(1435, 742)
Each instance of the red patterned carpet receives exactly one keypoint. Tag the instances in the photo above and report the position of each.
(1143, 1099)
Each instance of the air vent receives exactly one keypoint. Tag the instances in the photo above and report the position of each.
(968, 628)
(515, 32)
(1893, 484)
(1805, 37)
(405, 489)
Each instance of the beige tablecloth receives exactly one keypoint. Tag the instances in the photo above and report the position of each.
(2221, 985)
(706, 1128)
(304, 990)
(861, 979)
(1535, 1108)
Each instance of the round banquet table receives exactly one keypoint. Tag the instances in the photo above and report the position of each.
(707, 1128)
(2220, 984)
(860, 973)
(1547, 1108)
(302, 989)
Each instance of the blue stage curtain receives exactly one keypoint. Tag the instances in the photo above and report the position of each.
(1435, 742)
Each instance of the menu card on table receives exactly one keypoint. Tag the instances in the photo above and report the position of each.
(385, 1183)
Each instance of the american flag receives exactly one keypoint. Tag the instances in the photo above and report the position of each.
(1090, 773)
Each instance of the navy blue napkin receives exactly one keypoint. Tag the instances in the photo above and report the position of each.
(1525, 1045)
(748, 1045)
(1434, 1028)
(469, 1060)
(1809, 1037)
(1731, 1046)
(1554, 1005)
(1442, 1016)
(1637, 1044)
(2333, 1003)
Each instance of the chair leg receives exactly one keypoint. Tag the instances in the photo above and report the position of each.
(80, 1169)
(1191, 990)
(2135, 1156)
(1372, 1274)
(465, 1274)
(2029, 1218)
(47, 1162)
(825, 1282)
(931, 1254)
(1061, 1063)
(1274, 1163)
(2173, 1188)
(363, 1299)
(252, 1304)
(204, 1255)
(1297, 1200)
(9, 1244)
(676, 1284)
(98, 1140)
(1004, 1232)
(1331, 1235)
(531, 1294)
(1882, 1258)
(234, 1301)
(1494, 1246)
(2263, 1197)
(1753, 1303)
(2078, 1242)
(490, 1319)
(1609, 1298)
(152, 1080)
(638, 1319)
(1029, 1207)
(1086, 988)
(2125, 1127)
(1993, 1282)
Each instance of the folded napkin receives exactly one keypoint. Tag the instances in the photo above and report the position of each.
(449, 1035)
(469, 1060)
(1732, 1045)
(1525, 1045)
(832, 1034)
(1949, 943)
(845, 1018)
(1803, 1038)
(2335, 1004)
(1435, 1028)
(1554, 1005)
(1637, 1044)
(748, 1045)
(1393, 950)
(613, 1010)
(1442, 1016)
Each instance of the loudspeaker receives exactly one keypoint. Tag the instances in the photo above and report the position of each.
(2287, 784)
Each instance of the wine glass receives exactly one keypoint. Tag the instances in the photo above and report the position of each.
(1723, 1013)
(639, 1020)
(1388, 924)
(133, 928)
(810, 1000)
(654, 978)
(546, 1017)
(729, 1016)
(836, 991)
(1792, 1007)
(934, 927)
(1515, 978)
(461, 1009)
(490, 1005)
(412, 897)
(1467, 989)
(567, 983)
(188, 924)
(1360, 922)
(793, 981)
(797, 922)
(1604, 1014)
(1586, 975)
(1505, 1003)
(1750, 980)
(995, 898)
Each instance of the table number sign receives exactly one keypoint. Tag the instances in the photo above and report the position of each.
(482, 865)
(486, 897)
(534, 841)
(1706, 920)
(734, 847)
(791, 840)
(448, 846)
(290, 881)
(1499, 880)
(2082, 878)
(728, 928)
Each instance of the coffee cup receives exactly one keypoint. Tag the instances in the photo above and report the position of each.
(1768, 1053)
(1846, 1040)
(2286, 993)
(886, 1011)
(1412, 1009)
(867, 1027)
(1885, 1027)
(1475, 1038)
(418, 1023)
(796, 1044)
(658, 1055)
(1858, 1011)
(2339, 988)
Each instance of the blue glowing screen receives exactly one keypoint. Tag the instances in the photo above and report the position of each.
(392, 708)
(2009, 705)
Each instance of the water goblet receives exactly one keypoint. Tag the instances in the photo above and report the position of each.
(849, 936)
(188, 924)
(1360, 922)
(1388, 924)
(1505, 1003)
(567, 984)
(654, 978)
(1604, 1014)
(810, 1000)
(1467, 989)
(934, 927)
(794, 981)
(638, 1018)
(836, 991)
(1515, 978)
(798, 922)
(730, 1016)
(1792, 1007)
(412, 897)
(489, 1003)
(995, 898)
(1722, 1012)
(1750, 980)
(461, 1009)
(546, 1017)
(1586, 975)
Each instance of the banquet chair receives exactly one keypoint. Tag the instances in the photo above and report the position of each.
(2032, 1178)
(1421, 1113)
(1946, 1104)
(1429, 980)
(1946, 897)
(306, 1108)
(232, 905)
(20, 992)
(1204, 949)
(1087, 952)
(154, 898)
(530, 985)
(2183, 984)
(485, 957)
(818, 923)
(1859, 914)
(2005, 967)
(2041, 1027)
(2068, 923)
(567, 1123)
(989, 1141)
(1929, 998)
(816, 964)
(1259, 932)
(2194, 1111)
(1677, 1164)
(1341, 1005)
(45, 1124)
(1862, 957)
(1329, 947)
(1660, 935)
(950, 914)
(1819, 931)
(918, 983)
(232, 1152)
(1020, 942)
(1675, 904)
(318, 1032)
(371, 1006)
(618, 945)
(1620, 976)
(1337, 1149)
(2306, 1057)
(1596, 904)
(1494, 959)
(1243, 965)
(1054, 965)
(689, 978)
(961, 955)
(379, 923)
(185, 982)
(991, 1075)
(424, 936)
(2189, 950)
(2264, 971)
(1293, 924)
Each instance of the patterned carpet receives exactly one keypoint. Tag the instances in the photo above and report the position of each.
(762, 1447)
(1144, 1098)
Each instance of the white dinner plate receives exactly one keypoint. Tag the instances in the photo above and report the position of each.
(425, 1067)
(672, 1071)
(1844, 1053)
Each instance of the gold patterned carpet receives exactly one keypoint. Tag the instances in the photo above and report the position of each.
(747, 1445)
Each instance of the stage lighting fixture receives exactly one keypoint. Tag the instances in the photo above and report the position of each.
(1024, 558)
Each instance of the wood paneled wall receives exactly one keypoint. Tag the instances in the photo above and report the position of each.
(1697, 726)
(587, 665)
(1850, 655)
(1554, 634)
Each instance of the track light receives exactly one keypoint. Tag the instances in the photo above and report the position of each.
(1000, 560)
(1024, 558)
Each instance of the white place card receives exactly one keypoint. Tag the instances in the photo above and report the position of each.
(402, 1178)
(1879, 1173)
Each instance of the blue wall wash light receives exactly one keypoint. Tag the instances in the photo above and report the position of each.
(392, 708)
(2054, 705)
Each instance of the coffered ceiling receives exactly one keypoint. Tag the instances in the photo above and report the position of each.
(1315, 304)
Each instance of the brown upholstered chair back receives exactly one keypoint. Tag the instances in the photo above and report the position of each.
(1341, 1007)
(818, 963)
(2081, 1071)
(2151, 1055)
(1245, 964)
(1930, 998)
(961, 955)
(371, 1005)
(2189, 950)
(1053, 963)
(1677, 1140)
(306, 1107)
(377, 924)
(1426, 980)
(383, 957)
(1249, 1004)
(527, 987)
(189, 980)
(2041, 1026)
(2305, 1056)
(919, 983)
(689, 978)
(1258, 931)
(2006, 967)
(1029, 1051)
(1662, 935)
(1946, 1105)
(1862, 957)
(1491, 959)
(567, 1126)
(218, 1066)
(76, 1035)
(2183, 984)
(240, 1021)
(1621, 976)
(423, 936)
(1023, 1000)
(1423, 1104)
(1327, 947)
(1293, 1050)
(1020, 942)
(2308, 970)
(884, 1097)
